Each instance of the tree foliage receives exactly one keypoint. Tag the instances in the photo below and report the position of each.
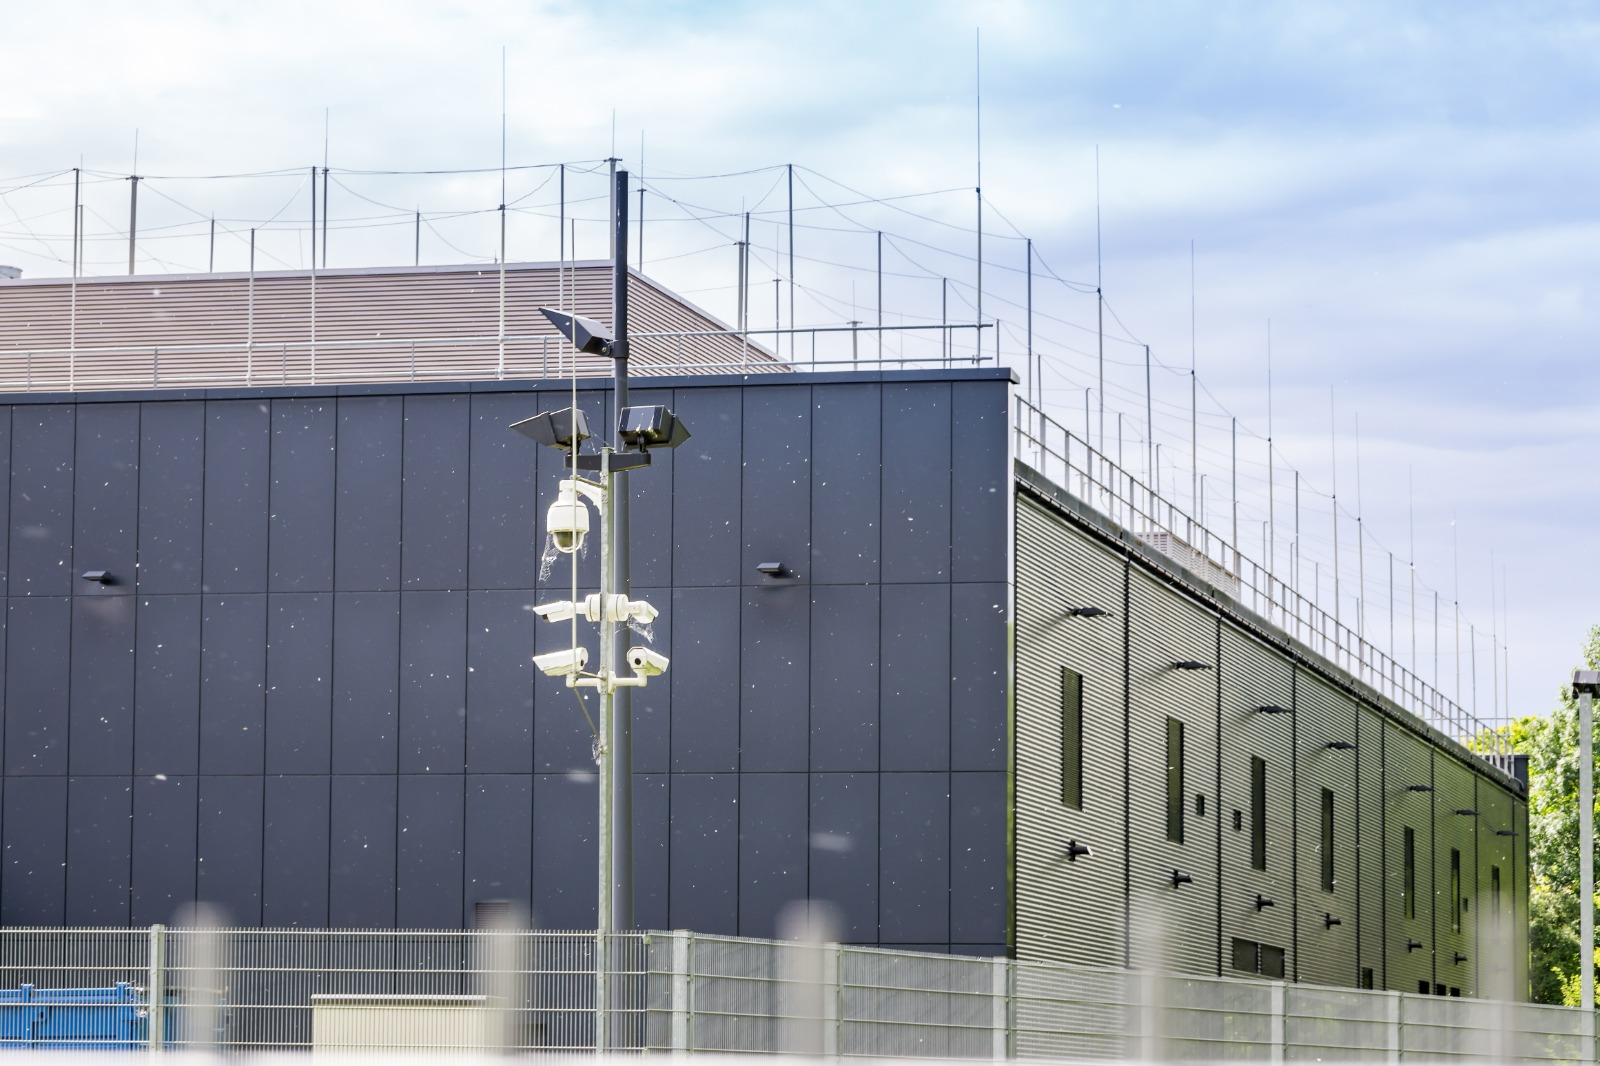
(1551, 744)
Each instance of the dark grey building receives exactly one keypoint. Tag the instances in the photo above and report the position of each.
(304, 688)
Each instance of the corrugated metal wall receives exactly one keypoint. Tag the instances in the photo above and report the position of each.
(1327, 951)
(1254, 676)
(1174, 926)
(290, 327)
(1493, 964)
(1082, 910)
(1068, 909)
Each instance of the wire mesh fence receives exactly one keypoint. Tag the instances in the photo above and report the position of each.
(269, 990)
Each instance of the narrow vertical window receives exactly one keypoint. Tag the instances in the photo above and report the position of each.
(1258, 812)
(1175, 780)
(1408, 872)
(1494, 893)
(1072, 738)
(1327, 840)
(1455, 890)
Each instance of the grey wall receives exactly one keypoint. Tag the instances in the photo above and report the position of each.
(307, 695)
(1119, 903)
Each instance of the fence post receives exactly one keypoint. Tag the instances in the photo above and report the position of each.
(1000, 988)
(156, 996)
(1396, 1024)
(832, 1001)
(1280, 1004)
(682, 984)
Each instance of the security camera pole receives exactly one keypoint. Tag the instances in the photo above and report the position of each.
(1584, 684)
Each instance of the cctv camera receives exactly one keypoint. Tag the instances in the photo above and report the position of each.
(559, 611)
(565, 661)
(568, 522)
(646, 663)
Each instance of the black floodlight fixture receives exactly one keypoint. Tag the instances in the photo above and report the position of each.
(1074, 849)
(652, 427)
(770, 569)
(1181, 878)
(1419, 788)
(1459, 958)
(1329, 921)
(1190, 664)
(1412, 945)
(1341, 745)
(1586, 681)
(1263, 902)
(1505, 832)
(99, 577)
(1468, 811)
(1086, 612)
(1273, 708)
(587, 335)
(555, 429)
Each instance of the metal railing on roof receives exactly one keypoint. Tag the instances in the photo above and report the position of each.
(1097, 480)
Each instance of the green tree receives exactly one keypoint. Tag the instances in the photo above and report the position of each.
(1551, 744)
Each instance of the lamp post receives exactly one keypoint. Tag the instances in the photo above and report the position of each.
(1584, 684)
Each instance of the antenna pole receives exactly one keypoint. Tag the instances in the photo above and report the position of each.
(1152, 474)
(944, 320)
(790, 168)
(1333, 452)
(1272, 511)
(1361, 550)
(133, 217)
(1099, 302)
(416, 253)
(1234, 459)
(561, 219)
(1033, 377)
(211, 256)
(880, 288)
(977, 71)
(1411, 551)
(1194, 417)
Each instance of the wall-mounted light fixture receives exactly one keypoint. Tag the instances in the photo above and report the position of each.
(1459, 958)
(1086, 612)
(1190, 664)
(1412, 945)
(1419, 788)
(1341, 745)
(1468, 811)
(1181, 878)
(1505, 832)
(1329, 921)
(771, 569)
(1074, 849)
(1273, 708)
(1263, 902)
(100, 577)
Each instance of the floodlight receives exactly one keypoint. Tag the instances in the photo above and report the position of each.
(652, 427)
(587, 335)
(555, 429)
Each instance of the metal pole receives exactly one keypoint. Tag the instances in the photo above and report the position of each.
(324, 218)
(133, 217)
(416, 252)
(1099, 303)
(1234, 459)
(622, 711)
(1033, 382)
(211, 257)
(944, 320)
(880, 286)
(791, 260)
(1152, 474)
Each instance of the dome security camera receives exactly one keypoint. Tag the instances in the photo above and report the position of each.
(567, 521)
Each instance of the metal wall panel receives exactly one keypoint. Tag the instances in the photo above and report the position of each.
(707, 546)
(99, 846)
(499, 718)
(105, 491)
(652, 849)
(916, 451)
(166, 708)
(34, 827)
(366, 670)
(980, 427)
(171, 497)
(304, 452)
(433, 689)
(844, 677)
(164, 838)
(502, 494)
(237, 487)
(498, 860)
(1327, 952)
(42, 440)
(979, 631)
(1254, 676)
(428, 862)
(233, 666)
(1372, 855)
(705, 680)
(1456, 949)
(100, 735)
(652, 705)
(773, 847)
(704, 892)
(978, 816)
(777, 483)
(295, 830)
(1174, 926)
(914, 858)
(5, 497)
(364, 818)
(1068, 909)
(367, 530)
(775, 660)
(38, 656)
(650, 506)
(844, 851)
(564, 853)
(228, 858)
(1494, 920)
(434, 483)
(1407, 763)
(914, 679)
(846, 483)
(299, 710)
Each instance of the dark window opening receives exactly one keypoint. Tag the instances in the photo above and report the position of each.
(1238, 821)
(1494, 893)
(1438, 990)
(1072, 738)
(1455, 890)
(1327, 840)
(1175, 780)
(1423, 987)
(1455, 992)
(1366, 977)
(1258, 812)
(1245, 955)
(1271, 961)
(1200, 805)
(1408, 872)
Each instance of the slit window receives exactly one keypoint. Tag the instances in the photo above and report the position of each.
(1327, 840)
(1455, 890)
(1408, 872)
(1072, 738)
(1494, 893)
(1258, 812)
(1175, 780)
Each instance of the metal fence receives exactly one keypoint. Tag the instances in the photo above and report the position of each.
(254, 990)
(1096, 479)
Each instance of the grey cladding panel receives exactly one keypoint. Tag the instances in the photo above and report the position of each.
(5, 496)
(844, 677)
(914, 858)
(774, 668)
(1068, 909)
(979, 480)
(704, 894)
(38, 637)
(978, 680)
(299, 682)
(564, 854)
(773, 848)
(295, 831)
(652, 836)
(433, 682)
(503, 496)
(366, 671)
(434, 516)
(41, 501)
(914, 696)
(500, 681)
(368, 473)
(98, 864)
(33, 879)
(706, 488)
(230, 839)
(428, 866)
(237, 484)
(650, 506)
(233, 684)
(106, 497)
(101, 730)
(1328, 953)
(362, 827)
(300, 556)
(978, 886)
(844, 851)
(652, 704)
(499, 839)
(916, 495)
(171, 483)
(847, 472)
(705, 680)
(777, 480)
(166, 730)
(165, 820)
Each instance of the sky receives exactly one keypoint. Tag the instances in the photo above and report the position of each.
(1398, 195)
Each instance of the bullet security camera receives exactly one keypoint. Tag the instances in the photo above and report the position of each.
(565, 661)
(647, 663)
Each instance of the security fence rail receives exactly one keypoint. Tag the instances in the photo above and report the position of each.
(255, 990)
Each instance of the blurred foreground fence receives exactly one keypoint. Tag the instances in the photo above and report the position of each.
(345, 990)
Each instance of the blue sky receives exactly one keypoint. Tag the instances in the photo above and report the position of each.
(1405, 190)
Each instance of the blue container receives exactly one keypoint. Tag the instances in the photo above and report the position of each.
(79, 1018)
